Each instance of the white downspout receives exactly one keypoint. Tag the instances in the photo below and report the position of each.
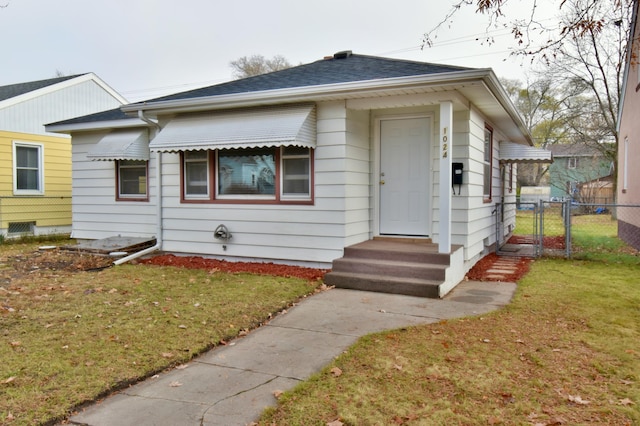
(158, 244)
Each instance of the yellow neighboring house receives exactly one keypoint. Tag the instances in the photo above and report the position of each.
(35, 166)
(35, 184)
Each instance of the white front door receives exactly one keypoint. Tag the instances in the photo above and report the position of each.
(404, 176)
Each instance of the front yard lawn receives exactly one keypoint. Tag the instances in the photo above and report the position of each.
(71, 337)
(566, 351)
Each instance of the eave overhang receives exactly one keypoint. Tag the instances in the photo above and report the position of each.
(479, 86)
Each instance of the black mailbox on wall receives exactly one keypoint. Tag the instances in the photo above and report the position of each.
(456, 178)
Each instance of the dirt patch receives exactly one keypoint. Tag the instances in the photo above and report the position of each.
(51, 260)
(197, 262)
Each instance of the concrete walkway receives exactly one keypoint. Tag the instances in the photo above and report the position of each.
(231, 385)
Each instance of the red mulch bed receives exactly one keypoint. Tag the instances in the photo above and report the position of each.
(479, 270)
(197, 262)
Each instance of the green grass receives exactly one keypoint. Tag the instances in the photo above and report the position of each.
(70, 338)
(565, 351)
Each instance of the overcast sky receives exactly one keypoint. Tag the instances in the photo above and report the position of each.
(148, 48)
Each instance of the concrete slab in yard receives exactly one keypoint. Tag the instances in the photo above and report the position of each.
(113, 244)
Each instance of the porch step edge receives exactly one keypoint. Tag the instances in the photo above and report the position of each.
(376, 283)
(392, 268)
(396, 254)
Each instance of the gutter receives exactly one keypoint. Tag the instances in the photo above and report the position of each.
(493, 85)
(236, 100)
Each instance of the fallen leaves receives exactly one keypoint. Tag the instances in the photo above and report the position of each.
(336, 372)
(9, 380)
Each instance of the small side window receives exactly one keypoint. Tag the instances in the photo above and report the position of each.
(296, 173)
(196, 175)
(28, 175)
(132, 180)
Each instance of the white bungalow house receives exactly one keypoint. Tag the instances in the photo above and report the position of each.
(363, 157)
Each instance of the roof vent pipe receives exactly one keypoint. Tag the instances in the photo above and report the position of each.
(342, 55)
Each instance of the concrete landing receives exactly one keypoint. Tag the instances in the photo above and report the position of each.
(113, 244)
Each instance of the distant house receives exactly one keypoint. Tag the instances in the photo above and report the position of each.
(629, 141)
(35, 165)
(580, 172)
(306, 164)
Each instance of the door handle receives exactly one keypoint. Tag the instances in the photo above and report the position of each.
(381, 182)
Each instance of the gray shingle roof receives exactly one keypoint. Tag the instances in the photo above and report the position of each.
(109, 115)
(351, 68)
(573, 150)
(336, 69)
(13, 90)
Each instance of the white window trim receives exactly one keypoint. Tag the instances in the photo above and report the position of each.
(625, 168)
(487, 166)
(40, 148)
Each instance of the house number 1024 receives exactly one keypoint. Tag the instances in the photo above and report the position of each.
(445, 144)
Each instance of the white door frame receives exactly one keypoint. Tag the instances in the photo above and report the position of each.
(377, 160)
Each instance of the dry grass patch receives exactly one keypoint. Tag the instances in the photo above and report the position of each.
(564, 352)
(69, 337)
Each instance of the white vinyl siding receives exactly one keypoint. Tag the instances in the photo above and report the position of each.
(80, 99)
(96, 213)
(278, 232)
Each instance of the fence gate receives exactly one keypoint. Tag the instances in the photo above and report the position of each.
(518, 229)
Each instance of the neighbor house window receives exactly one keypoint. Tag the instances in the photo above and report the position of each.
(28, 169)
(488, 158)
(275, 174)
(572, 162)
(132, 180)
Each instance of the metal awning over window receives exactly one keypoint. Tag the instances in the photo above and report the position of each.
(515, 153)
(122, 145)
(264, 127)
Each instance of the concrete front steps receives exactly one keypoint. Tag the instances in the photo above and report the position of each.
(411, 267)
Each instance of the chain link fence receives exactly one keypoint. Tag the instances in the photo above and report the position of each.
(23, 216)
(571, 229)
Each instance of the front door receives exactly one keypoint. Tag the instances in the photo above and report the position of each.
(404, 176)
